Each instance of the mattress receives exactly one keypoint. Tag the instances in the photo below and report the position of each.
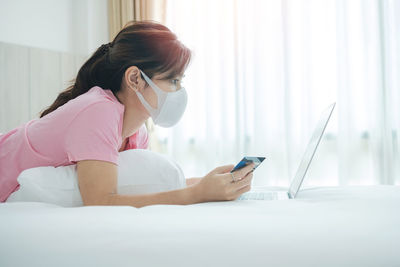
(324, 226)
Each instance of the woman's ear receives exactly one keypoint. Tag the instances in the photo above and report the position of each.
(132, 76)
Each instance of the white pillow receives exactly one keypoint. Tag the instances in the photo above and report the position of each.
(140, 171)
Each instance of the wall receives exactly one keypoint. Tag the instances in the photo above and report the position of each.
(43, 44)
(74, 26)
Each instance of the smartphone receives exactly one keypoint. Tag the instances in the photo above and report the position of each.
(248, 160)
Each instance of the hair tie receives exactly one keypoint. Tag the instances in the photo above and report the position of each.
(105, 47)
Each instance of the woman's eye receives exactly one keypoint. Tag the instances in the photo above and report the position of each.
(175, 81)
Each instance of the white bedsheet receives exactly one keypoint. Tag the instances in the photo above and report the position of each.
(331, 226)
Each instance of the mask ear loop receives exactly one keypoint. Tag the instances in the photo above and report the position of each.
(153, 111)
(152, 85)
(161, 96)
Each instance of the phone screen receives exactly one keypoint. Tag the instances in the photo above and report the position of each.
(248, 160)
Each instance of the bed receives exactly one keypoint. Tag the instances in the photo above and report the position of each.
(324, 226)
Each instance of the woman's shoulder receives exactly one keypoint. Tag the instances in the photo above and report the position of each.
(97, 95)
(95, 101)
(91, 110)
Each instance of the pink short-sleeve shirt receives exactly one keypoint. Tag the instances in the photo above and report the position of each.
(88, 127)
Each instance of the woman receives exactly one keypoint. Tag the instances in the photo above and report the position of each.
(117, 89)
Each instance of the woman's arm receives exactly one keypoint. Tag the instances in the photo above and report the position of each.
(192, 181)
(184, 196)
(98, 186)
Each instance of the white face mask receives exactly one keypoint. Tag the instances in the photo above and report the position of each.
(170, 108)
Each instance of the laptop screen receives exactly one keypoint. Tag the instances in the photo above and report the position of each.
(310, 151)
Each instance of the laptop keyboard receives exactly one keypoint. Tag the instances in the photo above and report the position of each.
(259, 196)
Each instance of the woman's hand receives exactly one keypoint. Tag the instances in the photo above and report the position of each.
(218, 185)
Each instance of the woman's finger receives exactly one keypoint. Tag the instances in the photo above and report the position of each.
(239, 174)
(245, 181)
(242, 190)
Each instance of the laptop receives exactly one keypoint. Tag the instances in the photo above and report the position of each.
(260, 193)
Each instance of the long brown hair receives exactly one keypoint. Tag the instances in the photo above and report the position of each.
(150, 46)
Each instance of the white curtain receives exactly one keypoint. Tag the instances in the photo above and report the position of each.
(263, 72)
